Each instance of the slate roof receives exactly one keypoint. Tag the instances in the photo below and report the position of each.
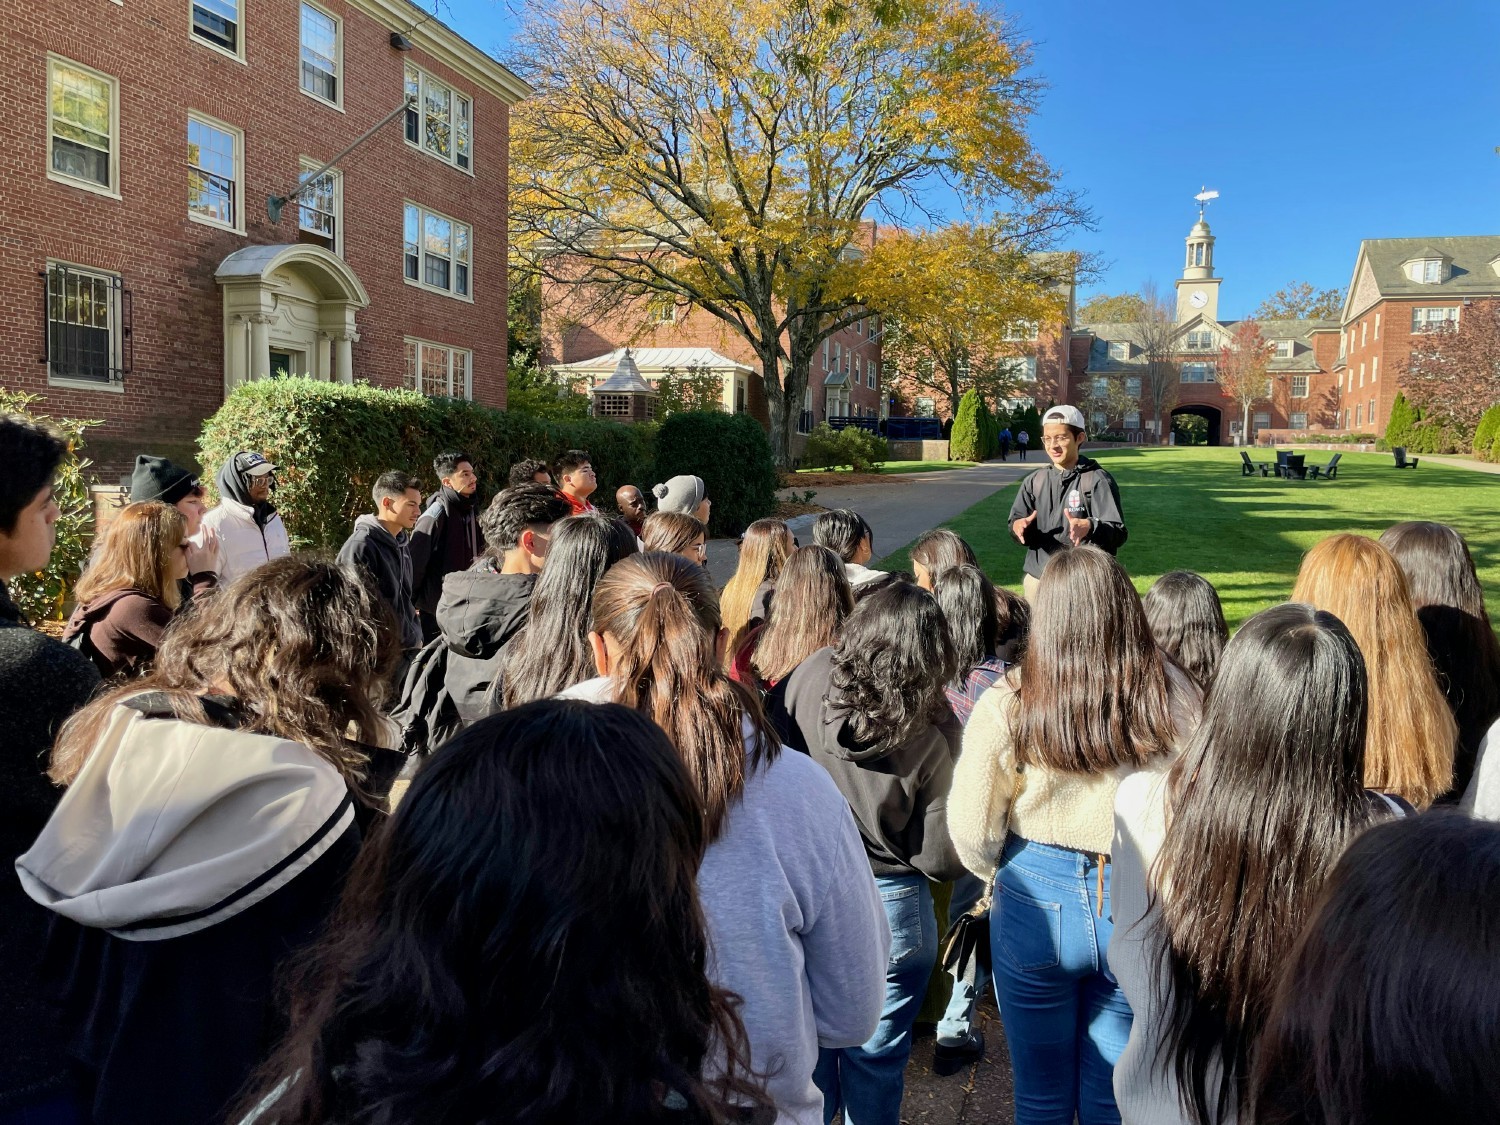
(1472, 257)
(1301, 361)
(626, 379)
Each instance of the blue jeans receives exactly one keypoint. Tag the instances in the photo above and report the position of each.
(867, 1081)
(959, 1016)
(1066, 1021)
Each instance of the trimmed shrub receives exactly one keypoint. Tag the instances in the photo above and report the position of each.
(822, 450)
(1486, 432)
(330, 441)
(965, 442)
(1398, 428)
(733, 456)
(861, 450)
(1029, 419)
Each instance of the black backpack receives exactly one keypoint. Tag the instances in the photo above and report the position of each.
(425, 712)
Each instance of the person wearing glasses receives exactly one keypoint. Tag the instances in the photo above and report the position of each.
(156, 478)
(249, 530)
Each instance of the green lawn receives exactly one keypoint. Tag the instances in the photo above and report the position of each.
(1190, 509)
(904, 467)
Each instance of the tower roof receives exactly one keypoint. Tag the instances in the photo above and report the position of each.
(626, 379)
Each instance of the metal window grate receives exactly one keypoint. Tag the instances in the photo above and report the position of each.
(86, 325)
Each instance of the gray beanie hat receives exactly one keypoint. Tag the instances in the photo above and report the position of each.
(680, 494)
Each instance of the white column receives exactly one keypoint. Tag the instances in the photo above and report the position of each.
(260, 346)
(324, 360)
(343, 347)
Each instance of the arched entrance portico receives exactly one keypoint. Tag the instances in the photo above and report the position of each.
(1210, 414)
(295, 303)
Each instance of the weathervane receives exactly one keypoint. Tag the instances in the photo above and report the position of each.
(1203, 197)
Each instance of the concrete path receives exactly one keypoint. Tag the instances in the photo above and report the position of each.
(898, 510)
(1459, 463)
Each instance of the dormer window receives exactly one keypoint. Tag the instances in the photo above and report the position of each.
(1119, 351)
(1284, 349)
(1427, 271)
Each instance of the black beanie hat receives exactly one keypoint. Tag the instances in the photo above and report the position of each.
(156, 478)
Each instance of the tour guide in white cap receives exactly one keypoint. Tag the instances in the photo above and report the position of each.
(1069, 502)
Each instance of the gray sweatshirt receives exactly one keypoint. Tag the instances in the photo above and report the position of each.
(795, 921)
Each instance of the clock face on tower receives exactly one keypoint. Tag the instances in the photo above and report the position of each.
(1198, 299)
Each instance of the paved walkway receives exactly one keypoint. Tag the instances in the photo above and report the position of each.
(898, 510)
(1459, 463)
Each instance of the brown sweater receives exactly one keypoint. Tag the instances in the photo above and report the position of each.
(122, 631)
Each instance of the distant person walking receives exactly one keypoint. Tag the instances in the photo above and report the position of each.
(1068, 503)
(1023, 439)
(1006, 437)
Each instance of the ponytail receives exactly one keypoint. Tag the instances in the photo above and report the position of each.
(664, 618)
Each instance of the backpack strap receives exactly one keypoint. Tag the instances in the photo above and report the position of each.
(222, 710)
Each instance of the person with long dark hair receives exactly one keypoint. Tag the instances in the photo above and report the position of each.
(1385, 1013)
(870, 710)
(796, 926)
(1245, 826)
(937, 550)
(1033, 797)
(967, 598)
(1412, 738)
(813, 600)
(1188, 623)
(1449, 601)
(522, 942)
(551, 651)
(212, 811)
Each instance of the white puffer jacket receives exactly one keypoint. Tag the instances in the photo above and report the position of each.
(244, 544)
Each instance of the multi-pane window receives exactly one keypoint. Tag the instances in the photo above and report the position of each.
(870, 374)
(441, 120)
(320, 54)
(1133, 385)
(81, 116)
(438, 370)
(1200, 340)
(1022, 330)
(1299, 421)
(1359, 415)
(1133, 420)
(318, 207)
(213, 172)
(437, 251)
(1262, 421)
(1285, 348)
(1198, 373)
(88, 315)
(612, 406)
(1432, 270)
(1424, 319)
(1119, 351)
(1299, 386)
(217, 23)
(1374, 369)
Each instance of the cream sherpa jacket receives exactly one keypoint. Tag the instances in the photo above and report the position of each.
(992, 798)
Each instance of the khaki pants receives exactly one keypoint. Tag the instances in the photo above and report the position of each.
(1030, 585)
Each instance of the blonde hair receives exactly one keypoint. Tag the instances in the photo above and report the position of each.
(135, 552)
(1409, 745)
(767, 546)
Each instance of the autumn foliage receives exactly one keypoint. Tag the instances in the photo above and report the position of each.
(1454, 373)
(1243, 364)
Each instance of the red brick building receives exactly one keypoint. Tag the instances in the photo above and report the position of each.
(144, 274)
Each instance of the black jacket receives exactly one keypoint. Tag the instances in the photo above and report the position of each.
(899, 797)
(386, 559)
(42, 682)
(481, 610)
(1045, 492)
(446, 539)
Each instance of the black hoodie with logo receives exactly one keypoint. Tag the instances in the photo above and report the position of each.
(899, 795)
(1045, 492)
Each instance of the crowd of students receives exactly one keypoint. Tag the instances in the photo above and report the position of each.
(510, 814)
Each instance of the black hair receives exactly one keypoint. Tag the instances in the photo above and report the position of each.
(31, 453)
(1385, 1013)
(1188, 623)
(571, 459)
(461, 982)
(891, 664)
(841, 531)
(514, 510)
(524, 472)
(394, 484)
(940, 547)
(967, 599)
(446, 464)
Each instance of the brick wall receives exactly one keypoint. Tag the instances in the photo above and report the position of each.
(167, 261)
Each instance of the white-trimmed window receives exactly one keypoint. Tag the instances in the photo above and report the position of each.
(320, 207)
(1198, 373)
(322, 54)
(805, 418)
(88, 313)
(1377, 326)
(1285, 348)
(1374, 369)
(1361, 374)
(1299, 386)
(1299, 421)
(1133, 385)
(215, 163)
(83, 113)
(870, 372)
(1262, 420)
(1359, 415)
(1022, 331)
(438, 251)
(1428, 271)
(217, 23)
(442, 124)
(438, 370)
(1424, 319)
(1370, 414)
(1364, 332)
(1200, 340)
(1119, 351)
(827, 350)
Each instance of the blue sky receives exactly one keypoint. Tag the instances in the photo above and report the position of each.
(1321, 122)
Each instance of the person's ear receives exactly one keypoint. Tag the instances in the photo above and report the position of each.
(601, 653)
(527, 542)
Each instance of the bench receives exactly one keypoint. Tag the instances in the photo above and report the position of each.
(1328, 472)
(1402, 460)
(1248, 467)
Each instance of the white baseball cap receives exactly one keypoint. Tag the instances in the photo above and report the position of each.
(1067, 415)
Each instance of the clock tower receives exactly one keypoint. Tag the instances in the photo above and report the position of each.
(1198, 288)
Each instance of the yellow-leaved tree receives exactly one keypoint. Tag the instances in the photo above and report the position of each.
(725, 153)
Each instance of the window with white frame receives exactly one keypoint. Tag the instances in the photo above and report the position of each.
(214, 170)
(322, 54)
(827, 348)
(1361, 374)
(88, 314)
(1198, 373)
(1119, 351)
(1374, 369)
(1133, 385)
(437, 251)
(217, 23)
(1022, 331)
(1429, 271)
(1133, 420)
(1299, 421)
(1370, 414)
(1262, 420)
(1423, 320)
(1359, 415)
(1200, 340)
(1377, 326)
(442, 120)
(83, 111)
(320, 207)
(926, 407)
(870, 373)
(1022, 368)
(805, 418)
(438, 370)
(1299, 386)
(1285, 348)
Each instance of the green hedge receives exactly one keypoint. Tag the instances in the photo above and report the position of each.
(860, 450)
(1410, 427)
(1487, 432)
(966, 442)
(330, 441)
(733, 456)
